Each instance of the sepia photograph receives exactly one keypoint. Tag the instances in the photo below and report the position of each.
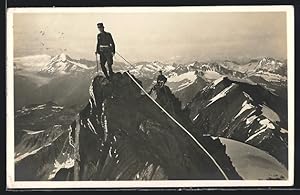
(139, 97)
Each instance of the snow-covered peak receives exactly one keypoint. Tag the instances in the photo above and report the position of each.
(264, 61)
(269, 64)
(151, 69)
(62, 63)
(63, 57)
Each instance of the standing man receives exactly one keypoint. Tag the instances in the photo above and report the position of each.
(106, 49)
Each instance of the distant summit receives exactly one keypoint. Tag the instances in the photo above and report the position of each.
(63, 64)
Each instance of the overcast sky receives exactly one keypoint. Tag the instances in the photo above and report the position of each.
(154, 36)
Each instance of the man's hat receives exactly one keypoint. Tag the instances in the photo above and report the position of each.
(100, 25)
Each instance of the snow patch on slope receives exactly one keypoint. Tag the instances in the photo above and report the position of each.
(247, 96)
(57, 166)
(242, 80)
(217, 81)
(29, 132)
(196, 117)
(39, 107)
(266, 124)
(20, 157)
(245, 106)
(80, 65)
(270, 114)
(220, 95)
(256, 134)
(282, 130)
(191, 76)
(212, 75)
(271, 77)
(183, 86)
(251, 119)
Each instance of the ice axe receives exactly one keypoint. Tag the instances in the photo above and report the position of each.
(96, 61)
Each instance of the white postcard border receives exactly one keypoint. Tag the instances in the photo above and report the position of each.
(12, 184)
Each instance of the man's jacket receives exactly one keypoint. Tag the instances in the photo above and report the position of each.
(104, 41)
(161, 78)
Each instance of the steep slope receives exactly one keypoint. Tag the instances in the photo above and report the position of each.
(186, 94)
(252, 163)
(41, 154)
(42, 144)
(125, 146)
(38, 117)
(245, 112)
(123, 136)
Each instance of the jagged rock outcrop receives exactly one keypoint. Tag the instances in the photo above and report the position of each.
(124, 136)
(242, 111)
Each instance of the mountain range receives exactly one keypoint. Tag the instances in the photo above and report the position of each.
(124, 136)
(37, 77)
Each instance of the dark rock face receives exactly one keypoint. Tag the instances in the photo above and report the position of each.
(244, 112)
(37, 117)
(124, 136)
(41, 155)
(187, 94)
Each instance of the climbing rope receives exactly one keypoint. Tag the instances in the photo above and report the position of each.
(125, 59)
(174, 120)
(97, 63)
